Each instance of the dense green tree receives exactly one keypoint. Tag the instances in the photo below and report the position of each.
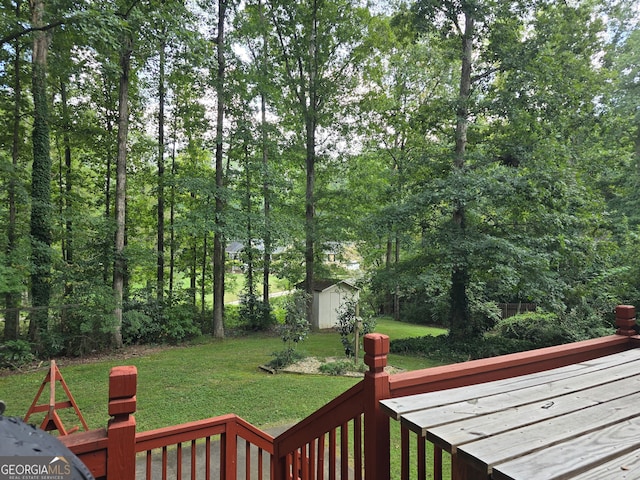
(506, 250)
(13, 117)
(41, 223)
(317, 57)
(219, 234)
(473, 153)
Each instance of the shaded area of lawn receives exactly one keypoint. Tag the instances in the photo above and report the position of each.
(205, 379)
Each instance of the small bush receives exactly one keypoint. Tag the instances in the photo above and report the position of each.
(444, 349)
(147, 321)
(346, 327)
(341, 367)
(139, 328)
(85, 327)
(179, 324)
(232, 318)
(540, 329)
(284, 358)
(294, 329)
(255, 314)
(335, 368)
(15, 353)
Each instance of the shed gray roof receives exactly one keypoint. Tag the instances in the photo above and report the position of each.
(320, 285)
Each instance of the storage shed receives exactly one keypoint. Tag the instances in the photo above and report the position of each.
(328, 296)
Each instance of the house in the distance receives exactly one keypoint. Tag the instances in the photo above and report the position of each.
(235, 249)
(341, 254)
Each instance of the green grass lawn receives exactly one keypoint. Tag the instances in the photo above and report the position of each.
(205, 379)
(208, 378)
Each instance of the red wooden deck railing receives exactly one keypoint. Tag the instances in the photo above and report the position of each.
(349, 438)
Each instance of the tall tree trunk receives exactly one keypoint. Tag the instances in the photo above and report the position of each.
(203, 278)
(310, 130)
(218, 239)
(40, 183)
(309, 254)
(12, 299)
(161, 102)
(387, 302)
(107, 181)
(396, 293)
(249, 250)
(460, 318)
(119, 267)
(637, 147)
(66, 204)
(68, 182)
(266, 186)
(193, 274)
(172, 211)
(266, 189)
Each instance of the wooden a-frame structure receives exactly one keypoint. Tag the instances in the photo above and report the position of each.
(52, 420)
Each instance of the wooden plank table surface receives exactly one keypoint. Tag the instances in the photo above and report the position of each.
(581, 422)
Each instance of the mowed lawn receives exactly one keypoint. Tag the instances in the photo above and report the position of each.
(205, 379)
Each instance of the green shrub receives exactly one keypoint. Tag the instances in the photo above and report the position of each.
(278, 308)
(346, 327)
(444, 349)
(179, 324)
(423, 310)
(539, 328)
(284, 358)
(147, 322)
(84, 327)
(15, 353)
(589, 320)
(341, 367)
(335, 368)
(138, 328)
(255, 314)
(232, 318)
(295, 327)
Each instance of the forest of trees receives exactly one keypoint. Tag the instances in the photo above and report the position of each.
(475, 152)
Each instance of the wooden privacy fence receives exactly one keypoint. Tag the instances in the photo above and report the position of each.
(510, 309)
(349, 438)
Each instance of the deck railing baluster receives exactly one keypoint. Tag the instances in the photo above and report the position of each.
(332, 454)
(247, 460)
(344, 451)
(357, 446)
(193, 459)
(164, 463)
(148, 465)
(321, 456)
(313, 460)
(207, 456)
(179, 461)
(306, 461)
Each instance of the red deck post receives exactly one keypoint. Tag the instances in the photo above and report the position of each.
(376, 423)
(121, 432)
(626, 320)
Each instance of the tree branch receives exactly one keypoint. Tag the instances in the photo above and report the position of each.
(484, 74)
(25, 31)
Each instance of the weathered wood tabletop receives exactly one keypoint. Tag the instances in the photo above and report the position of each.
(581, 421)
